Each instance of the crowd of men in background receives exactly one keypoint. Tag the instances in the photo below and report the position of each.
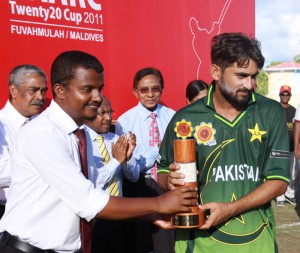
(130, 161)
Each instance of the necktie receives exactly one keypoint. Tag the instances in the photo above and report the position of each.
(85, 226)
(113, 186)
(154, 132)
(154, 140)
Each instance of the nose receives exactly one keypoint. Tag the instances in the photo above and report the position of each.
(41, 95)
(150, 93)
(249, 83)
(97, 96)
(108, 115)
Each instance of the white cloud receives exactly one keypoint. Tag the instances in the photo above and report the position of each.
(278, 28)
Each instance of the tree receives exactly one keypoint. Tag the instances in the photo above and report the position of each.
(274, 63)
(262, 82)
(296, 58)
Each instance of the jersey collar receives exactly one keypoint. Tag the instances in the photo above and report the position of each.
(210, 104)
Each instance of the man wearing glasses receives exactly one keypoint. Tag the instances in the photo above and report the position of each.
(142, 120)
(285, 96)
(120, 164)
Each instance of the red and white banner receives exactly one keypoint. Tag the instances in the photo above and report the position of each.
(125, 35)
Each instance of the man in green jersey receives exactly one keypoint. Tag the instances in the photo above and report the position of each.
(242, 154)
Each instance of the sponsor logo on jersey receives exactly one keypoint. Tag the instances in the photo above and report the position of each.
(280, 154)
(183, 129)
(256, 133)
(205, 134)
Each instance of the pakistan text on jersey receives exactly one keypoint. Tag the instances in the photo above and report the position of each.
(235, 173)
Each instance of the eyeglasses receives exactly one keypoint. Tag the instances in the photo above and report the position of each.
(145, 90)
(285, 95)
(108, 113)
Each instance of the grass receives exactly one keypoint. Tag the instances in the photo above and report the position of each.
(287, 228)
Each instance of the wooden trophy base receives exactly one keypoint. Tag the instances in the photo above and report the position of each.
(185, 156)
(188, 220)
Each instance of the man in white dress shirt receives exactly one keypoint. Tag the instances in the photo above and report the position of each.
(49, 194)
(27, 94)
(107, 232)
(148, 85)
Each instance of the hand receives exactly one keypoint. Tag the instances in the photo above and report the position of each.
(177, 200)
(163, 221)
(119, 149)
(158, 145)
(219, 212)
(131, 145)
(175, 178)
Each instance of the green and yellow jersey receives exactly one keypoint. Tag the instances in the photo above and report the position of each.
(233, 158)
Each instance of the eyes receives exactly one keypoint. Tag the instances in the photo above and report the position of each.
(34, 90)
(245, 75)
(145, 90)
(90, 89)
(108, 113)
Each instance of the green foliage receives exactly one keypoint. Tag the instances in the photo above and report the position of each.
(296, 58)
(262, 82)
(274, 63)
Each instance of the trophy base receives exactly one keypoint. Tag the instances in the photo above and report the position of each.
(188, 220)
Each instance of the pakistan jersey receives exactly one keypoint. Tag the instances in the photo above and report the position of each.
(233, 158)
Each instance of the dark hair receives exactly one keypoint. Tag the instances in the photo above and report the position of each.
(230, 48)
(145, 72)
(19, 75)
(64, 67)
(194, 87)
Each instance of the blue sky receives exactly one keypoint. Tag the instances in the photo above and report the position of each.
(278, 28)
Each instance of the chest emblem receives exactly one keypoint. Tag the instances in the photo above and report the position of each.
(205, 133)
(183, 129)
(256, 133)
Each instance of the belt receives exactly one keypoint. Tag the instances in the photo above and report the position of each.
(14, 242)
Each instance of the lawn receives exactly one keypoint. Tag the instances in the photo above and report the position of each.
(287, 228)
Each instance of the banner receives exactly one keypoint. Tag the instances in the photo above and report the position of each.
(173, 36)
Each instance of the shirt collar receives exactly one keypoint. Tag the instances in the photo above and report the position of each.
(209, 97)
(93, 134)
(14, 115)
(145, 113)
(66, 122)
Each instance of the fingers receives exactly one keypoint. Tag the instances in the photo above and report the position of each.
(175, 178)
(163, 224)
(189, 189)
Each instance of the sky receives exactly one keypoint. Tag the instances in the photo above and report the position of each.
(278, 29)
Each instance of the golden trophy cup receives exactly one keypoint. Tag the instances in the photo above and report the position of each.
(185, 156)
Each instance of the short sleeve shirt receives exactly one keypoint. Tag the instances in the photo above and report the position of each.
(233, 158)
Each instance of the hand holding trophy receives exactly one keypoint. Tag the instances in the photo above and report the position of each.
(185, 156)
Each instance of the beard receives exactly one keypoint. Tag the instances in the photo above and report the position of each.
(232, 97)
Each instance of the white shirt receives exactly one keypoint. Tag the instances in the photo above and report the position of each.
(297, 115)
(102, 174)
(138, 120)
(48, 192)
(10, 122)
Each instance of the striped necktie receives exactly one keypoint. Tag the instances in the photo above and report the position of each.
(154, 132)
(85, 226)
(113, 186)
(154, 139)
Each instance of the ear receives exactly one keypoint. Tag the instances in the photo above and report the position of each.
(59, 90)
(215, 72)
(135, 93)
(13, 90)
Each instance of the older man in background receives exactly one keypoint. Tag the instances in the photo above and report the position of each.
(27, 94)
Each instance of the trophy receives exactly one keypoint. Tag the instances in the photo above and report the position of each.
(185, 155)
